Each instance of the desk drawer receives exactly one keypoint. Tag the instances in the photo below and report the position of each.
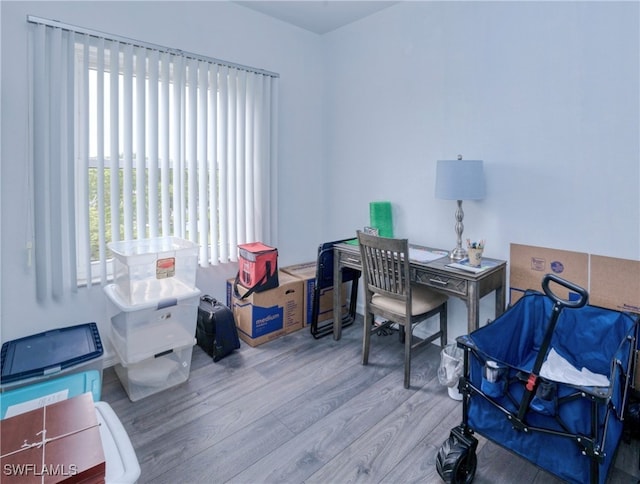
(352, 260)
(444, 282)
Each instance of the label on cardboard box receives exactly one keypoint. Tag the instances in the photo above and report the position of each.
(264, 320)
(529, 264)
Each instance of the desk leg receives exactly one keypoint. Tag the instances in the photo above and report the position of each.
(501, 294)
(473, 307)
(473, 302)
(337, 279)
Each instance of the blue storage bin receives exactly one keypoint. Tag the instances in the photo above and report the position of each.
(34, 396)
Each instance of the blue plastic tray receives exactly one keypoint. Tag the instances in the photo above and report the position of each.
(49, 352)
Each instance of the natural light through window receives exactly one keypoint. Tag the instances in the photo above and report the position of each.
(148, 142)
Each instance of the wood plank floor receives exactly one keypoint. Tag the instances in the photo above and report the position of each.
(304, 410)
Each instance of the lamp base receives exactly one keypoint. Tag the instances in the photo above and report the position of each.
(458, 254)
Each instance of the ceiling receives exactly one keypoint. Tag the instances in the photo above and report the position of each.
(317, 16)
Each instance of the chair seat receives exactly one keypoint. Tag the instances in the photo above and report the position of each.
(423, 300)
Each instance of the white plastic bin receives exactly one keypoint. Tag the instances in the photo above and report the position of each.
(121, 462)
(139, 332)
(155, 374)
(152, 269)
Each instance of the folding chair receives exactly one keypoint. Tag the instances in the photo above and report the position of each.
(324, 280)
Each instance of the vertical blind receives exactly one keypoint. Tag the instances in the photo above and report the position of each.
(133, 141)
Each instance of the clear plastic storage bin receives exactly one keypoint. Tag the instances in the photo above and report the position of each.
(155, 374)
(151, 269)
(141, 331)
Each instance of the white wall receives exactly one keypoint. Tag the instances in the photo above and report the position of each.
(546, 93)
(217, 29)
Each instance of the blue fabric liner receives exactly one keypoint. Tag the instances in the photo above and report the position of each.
(598, 339)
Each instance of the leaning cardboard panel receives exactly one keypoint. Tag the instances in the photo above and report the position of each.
(528, 265)
(615, 283)
(55, 443)
(307, 273)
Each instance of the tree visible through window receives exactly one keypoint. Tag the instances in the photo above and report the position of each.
(94, 218)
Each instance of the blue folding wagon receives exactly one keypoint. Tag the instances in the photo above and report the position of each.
(548, 380)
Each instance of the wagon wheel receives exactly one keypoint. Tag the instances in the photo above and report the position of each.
(456, 462)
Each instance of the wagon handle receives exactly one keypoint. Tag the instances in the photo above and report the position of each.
(558, 306)
(584, 295)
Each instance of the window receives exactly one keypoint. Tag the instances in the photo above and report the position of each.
(136, 141)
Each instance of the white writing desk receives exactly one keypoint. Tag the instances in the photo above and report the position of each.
(435, 274)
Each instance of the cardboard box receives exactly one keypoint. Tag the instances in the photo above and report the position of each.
(611, 282)
(72, 451)
(307, 273)
(529, 264)
(615, 283)
(267, 315)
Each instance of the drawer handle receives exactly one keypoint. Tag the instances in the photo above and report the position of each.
(439, 282)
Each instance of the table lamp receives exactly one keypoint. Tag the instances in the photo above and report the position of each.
(459, 180)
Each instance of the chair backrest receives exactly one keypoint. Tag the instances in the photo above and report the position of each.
(385, 264)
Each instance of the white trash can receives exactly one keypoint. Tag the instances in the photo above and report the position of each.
(451, 369)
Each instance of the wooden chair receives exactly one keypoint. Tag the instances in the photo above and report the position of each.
(390, 294)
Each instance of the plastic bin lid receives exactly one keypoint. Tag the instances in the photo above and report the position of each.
(122, 465)
(180, 293)
(49, 352)
(151, 246)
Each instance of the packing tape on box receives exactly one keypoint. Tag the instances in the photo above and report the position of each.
(380, 217)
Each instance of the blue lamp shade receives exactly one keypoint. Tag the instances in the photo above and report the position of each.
(460, 180)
